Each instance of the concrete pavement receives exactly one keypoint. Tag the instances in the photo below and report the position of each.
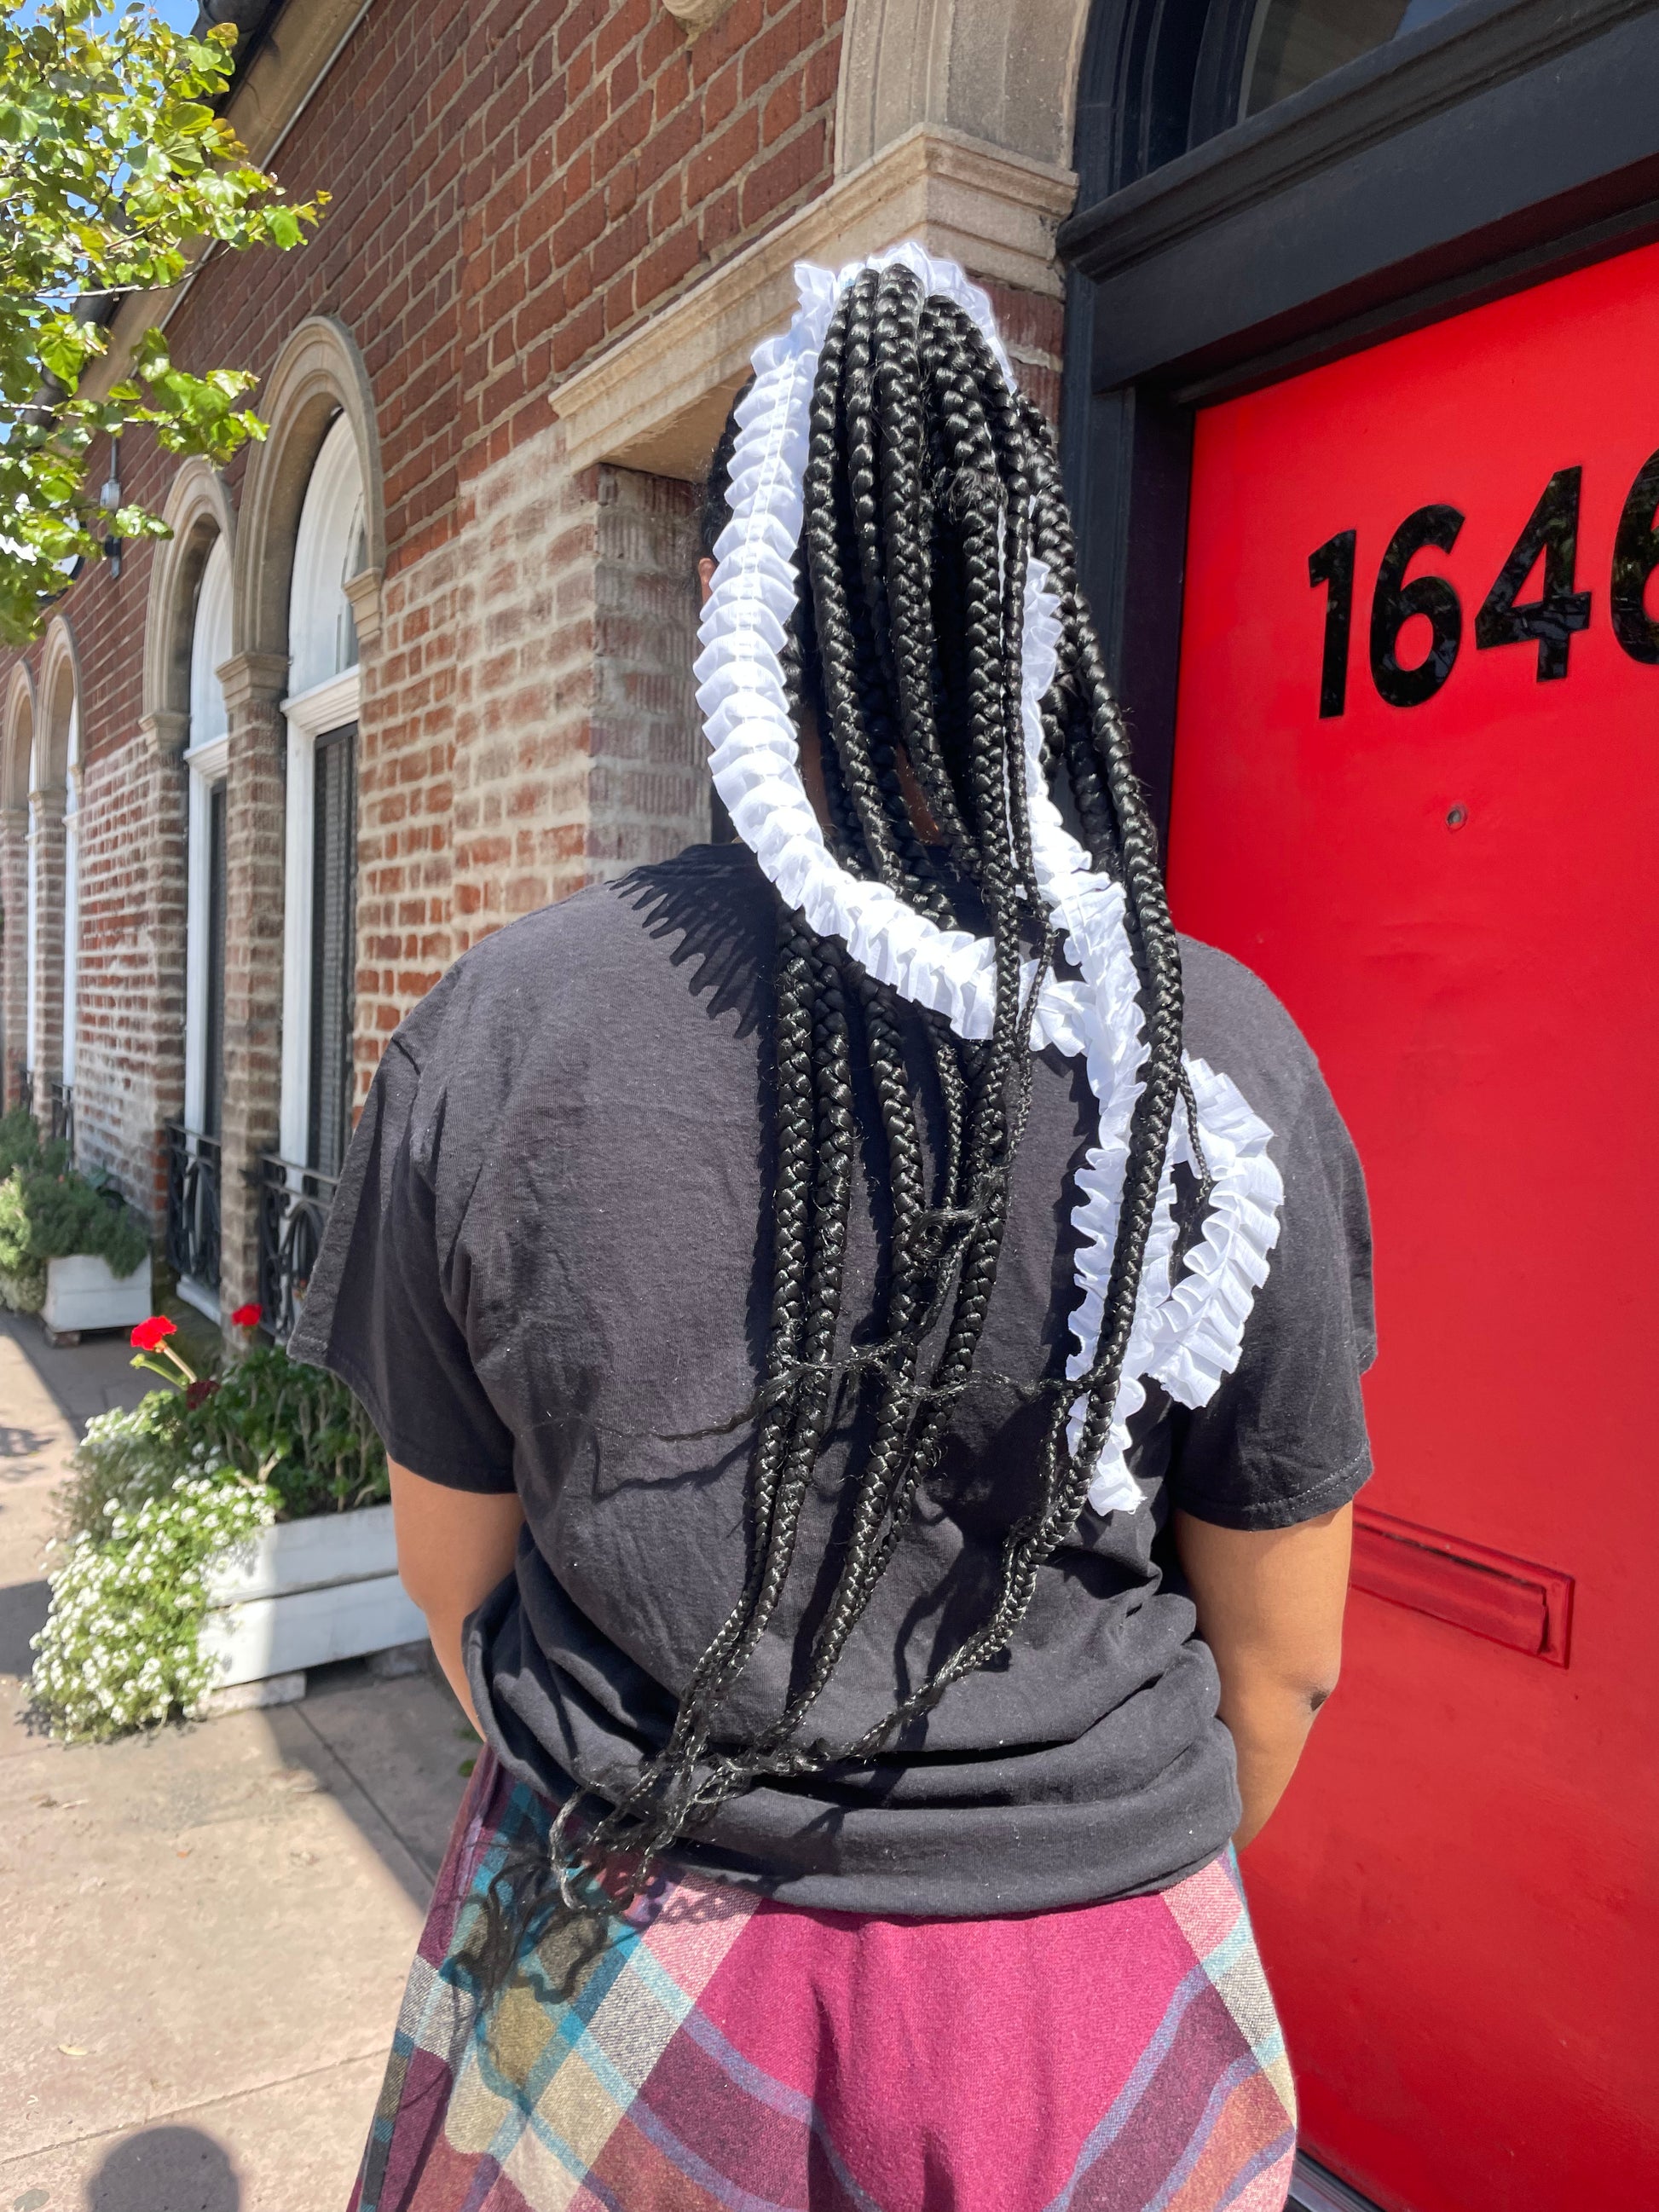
(207, 1930)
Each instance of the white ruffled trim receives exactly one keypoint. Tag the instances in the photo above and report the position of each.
(1186, 1338)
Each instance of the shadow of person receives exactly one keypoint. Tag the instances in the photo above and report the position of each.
(22, 1616)
(165, 2170)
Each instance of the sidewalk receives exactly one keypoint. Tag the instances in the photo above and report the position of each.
(207, 1930)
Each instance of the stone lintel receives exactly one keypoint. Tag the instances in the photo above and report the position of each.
(657, 399)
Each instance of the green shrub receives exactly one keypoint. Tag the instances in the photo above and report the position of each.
(158, 1492)
(268, 1420)
(121, 1648)
(49, 1210)
(297, 1428)
(20, 1142)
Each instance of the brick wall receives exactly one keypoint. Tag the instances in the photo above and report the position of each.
(131, 982)
(14, 923)
(528, 723)
(514, 185)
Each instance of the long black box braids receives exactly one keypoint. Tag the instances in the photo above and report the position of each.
(929, 486)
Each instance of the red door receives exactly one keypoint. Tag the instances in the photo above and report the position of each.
(1435, 839)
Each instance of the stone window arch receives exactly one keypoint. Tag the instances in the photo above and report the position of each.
(16, 758)
(318, 381)
(207, 758)
(308, 568)
(188, 639)
(199, 514)
(54, 879)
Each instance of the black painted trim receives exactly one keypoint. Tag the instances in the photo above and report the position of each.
(1478, 48)
(1500, 145)
(1510, 169)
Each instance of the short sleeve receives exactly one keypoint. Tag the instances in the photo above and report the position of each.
(379, 1311)
(1284, 1438)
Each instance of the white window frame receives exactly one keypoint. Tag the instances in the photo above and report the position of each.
(208, 764)
(329, 706)
(71, 890)
(328, 551)
(31, 939)
(207, 761)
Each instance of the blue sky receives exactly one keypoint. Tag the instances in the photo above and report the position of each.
(181, 14)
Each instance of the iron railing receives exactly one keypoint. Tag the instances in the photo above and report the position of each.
(192, 1205)
(62, 1115)
(294, 1206)
(25, 1089)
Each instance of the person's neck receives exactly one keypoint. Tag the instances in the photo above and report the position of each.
(812, 773)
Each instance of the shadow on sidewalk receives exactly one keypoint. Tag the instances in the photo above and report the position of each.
(393, 1753)
(178, 2167)
(81, 1379)
(22, 1616)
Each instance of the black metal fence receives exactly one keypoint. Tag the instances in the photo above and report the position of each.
(25, 1089)
(63, 1114)
(294, 1206)
(192, 1205)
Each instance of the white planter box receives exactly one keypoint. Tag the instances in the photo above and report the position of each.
(81, 1293)
(307, 1592)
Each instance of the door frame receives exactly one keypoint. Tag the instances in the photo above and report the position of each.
(1507, 143)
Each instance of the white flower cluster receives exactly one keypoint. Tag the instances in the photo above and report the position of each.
(120, 1647)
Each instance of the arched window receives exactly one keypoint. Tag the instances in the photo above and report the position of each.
(53, 841)
(206, 757)
(329, 549)
(320, 943)
(189, 634)
(15, 770)
(33, 1058)
(1157, 81)
(62, 1105)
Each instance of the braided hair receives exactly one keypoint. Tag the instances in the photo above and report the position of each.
(929, 486)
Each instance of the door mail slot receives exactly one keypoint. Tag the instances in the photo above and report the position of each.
(1506, 1599)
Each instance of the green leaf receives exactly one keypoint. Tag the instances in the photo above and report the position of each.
(115, 168)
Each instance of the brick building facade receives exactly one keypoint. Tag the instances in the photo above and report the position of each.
(556, 232)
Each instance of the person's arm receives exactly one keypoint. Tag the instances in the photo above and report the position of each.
(453, 1546)
(1270, 1608)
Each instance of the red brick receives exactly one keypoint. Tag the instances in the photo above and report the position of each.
(515, 182)
(789, 171)
(713, 164)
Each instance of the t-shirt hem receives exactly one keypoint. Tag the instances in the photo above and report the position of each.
(895, 1896)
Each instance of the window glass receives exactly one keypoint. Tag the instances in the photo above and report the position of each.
(213, 1055)
(330, 548)
(1294, 42)
(333, 951)
(209, 646)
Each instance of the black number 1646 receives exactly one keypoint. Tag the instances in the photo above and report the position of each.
(1549, 621)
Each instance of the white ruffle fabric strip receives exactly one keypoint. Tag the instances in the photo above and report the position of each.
(1185, 1336)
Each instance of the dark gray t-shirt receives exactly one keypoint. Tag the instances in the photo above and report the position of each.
(547, 1262)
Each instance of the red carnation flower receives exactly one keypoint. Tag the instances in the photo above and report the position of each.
(149, 1333)
(246, 1316)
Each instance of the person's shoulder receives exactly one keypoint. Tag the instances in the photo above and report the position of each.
(1235, 1023)
(627, 933)
(1225, 995)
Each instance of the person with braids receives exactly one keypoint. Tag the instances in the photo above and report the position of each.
(867, 1326)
